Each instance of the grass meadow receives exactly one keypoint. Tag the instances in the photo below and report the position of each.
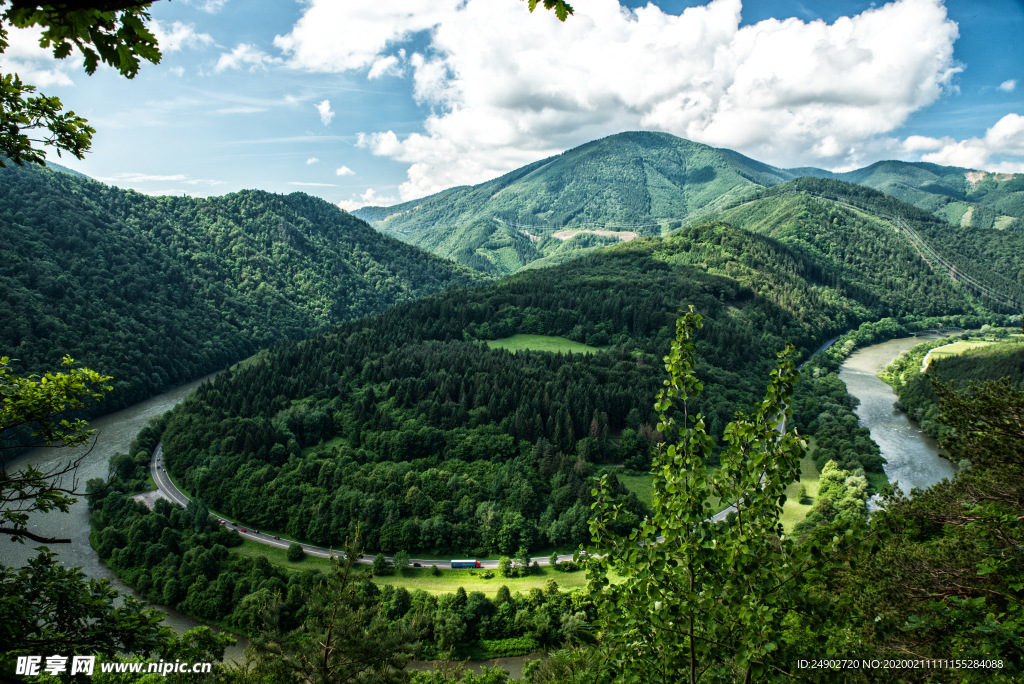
(546, 343)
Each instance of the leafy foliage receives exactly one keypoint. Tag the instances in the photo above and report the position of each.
(35, 412)
(113, 33)
(700, 600)
(561, 7)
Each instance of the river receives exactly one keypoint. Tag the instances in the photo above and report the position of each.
(115, 433)
(913, 457)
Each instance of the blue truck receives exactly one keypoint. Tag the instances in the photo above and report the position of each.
(465, 563)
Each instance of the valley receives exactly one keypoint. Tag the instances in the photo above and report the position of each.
(378, 398)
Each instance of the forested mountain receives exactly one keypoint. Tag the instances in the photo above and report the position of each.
(156, 291)
(963, 197)
(406, 425)
(846, 228)
(644, 183)
(626, 182)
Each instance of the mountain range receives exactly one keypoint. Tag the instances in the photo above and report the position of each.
(644, 183)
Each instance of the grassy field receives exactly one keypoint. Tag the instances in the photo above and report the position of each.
(643, 487)
(471, 580)
(423, 578)
(952, 350)
(793, 511)
(279, 557)
(545, 343)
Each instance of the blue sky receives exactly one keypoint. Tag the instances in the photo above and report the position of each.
(389, 101)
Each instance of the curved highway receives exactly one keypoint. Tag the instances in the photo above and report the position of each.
(169, 491)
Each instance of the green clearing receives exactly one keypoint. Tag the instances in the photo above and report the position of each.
(423, 578)
(279, 557)
(793, 511)
(952, 350)
(643, 487)
(546, 343)
(472, 580)
(1003, 222)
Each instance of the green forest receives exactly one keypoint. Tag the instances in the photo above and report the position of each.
(408, 427)
(998, 355)
(930, 575)
(157, 291)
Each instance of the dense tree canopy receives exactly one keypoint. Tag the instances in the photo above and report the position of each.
(158, 291)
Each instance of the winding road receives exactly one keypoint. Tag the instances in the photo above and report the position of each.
(167, 489)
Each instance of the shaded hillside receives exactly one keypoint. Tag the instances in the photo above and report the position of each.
(846, 228)
(156, 291)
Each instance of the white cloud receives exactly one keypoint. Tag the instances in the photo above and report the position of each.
(920, 143)
(344, 171)
(368, 198)
(506, 87)
(312, 160)
(210, 6)
(177, 70)
(178, 36)
(141, 181)
(1008, 86)
(385, 66)
(369, 28)
(36, 65)
(326, 115)
(1004, 139)
(245, 55)
(240, 109)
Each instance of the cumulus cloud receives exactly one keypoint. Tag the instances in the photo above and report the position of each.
(344, 171)
(370, 27)
(1008, 86)
(368, 198)
(245, 55)
(385, 66)
(34, 64)
(312, 160)
(1004, 139)
(506, 87)
(326, 115)
(178, 36)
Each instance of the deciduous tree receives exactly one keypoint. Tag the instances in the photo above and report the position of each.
(113, 32)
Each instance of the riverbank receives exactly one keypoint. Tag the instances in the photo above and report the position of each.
(912, 457)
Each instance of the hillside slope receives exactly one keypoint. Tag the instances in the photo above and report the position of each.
(847, 229)
(156, 291)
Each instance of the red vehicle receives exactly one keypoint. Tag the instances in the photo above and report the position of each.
(243, 529)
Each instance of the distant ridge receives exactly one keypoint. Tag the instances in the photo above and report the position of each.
(648, 183)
